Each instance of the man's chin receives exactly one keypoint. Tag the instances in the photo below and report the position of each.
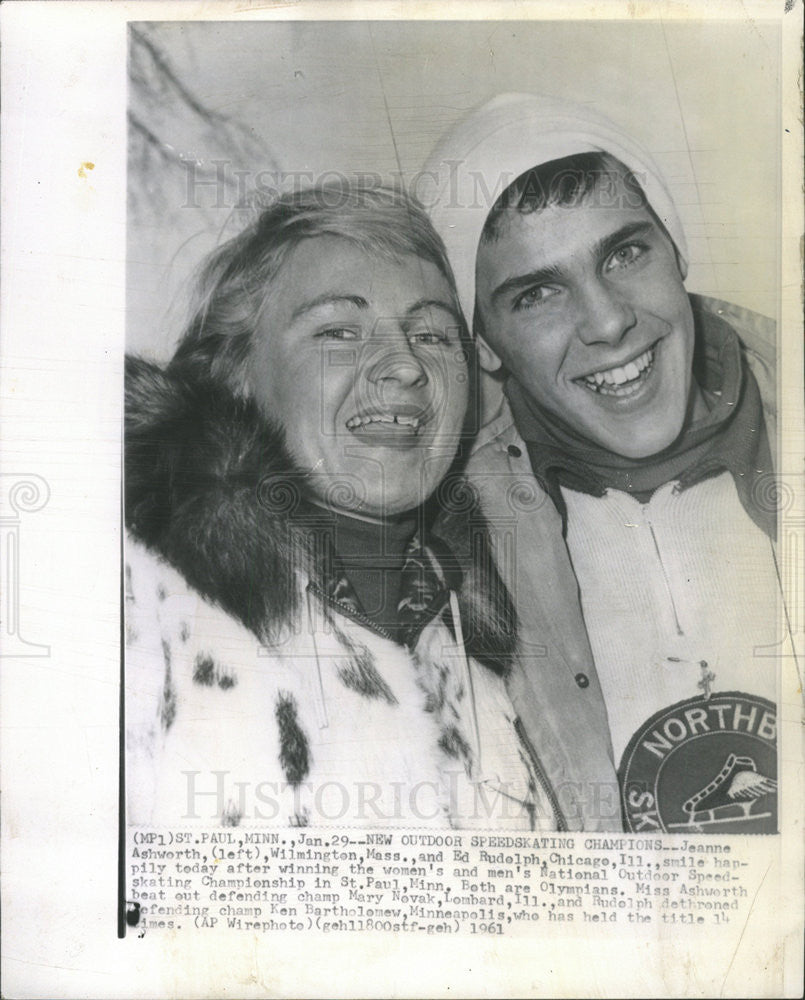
(637, 435)
(638, 430)
(637, 446)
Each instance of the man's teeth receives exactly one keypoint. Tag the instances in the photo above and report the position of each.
(383, 418)
(614, 378)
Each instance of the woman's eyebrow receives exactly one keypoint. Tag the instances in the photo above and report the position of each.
(433, 304)
(333, 298)
(328, 298)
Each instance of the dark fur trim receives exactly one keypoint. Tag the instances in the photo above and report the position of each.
(358, 672)
(196, 461)
(207, 673)
(204, 670)
(211, 489)
(167, 708)
(454, 745)
(231, 816)
(488, 616)
(294, 747)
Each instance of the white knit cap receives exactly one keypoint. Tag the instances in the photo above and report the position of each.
(475, 162)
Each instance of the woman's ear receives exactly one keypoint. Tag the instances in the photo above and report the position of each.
(682, 265)
(490, 362)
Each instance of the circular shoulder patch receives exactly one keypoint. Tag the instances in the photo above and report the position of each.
(703, 766)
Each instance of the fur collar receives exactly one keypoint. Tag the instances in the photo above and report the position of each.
(210, 488)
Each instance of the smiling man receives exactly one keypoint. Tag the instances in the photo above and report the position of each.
(585, 295)
(641, 418)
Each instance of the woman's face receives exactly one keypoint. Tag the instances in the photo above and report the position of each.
(358, 358)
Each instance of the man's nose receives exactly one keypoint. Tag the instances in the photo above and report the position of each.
(393, 361)
(604, 313)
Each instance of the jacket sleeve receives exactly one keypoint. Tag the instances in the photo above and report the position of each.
(147, 681)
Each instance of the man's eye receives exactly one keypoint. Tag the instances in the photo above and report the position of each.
(534, 296)
(625, 256)
(338, 333)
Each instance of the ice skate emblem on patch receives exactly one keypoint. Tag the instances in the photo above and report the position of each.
(703, 766)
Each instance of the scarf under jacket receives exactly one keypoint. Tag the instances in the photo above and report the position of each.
(732, 437)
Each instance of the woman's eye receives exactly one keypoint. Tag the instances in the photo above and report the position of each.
(338, 333)
(625, 256)
(534, 296)
(427, 337)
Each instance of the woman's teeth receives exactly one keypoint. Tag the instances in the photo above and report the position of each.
(363, 419)
(618, 381)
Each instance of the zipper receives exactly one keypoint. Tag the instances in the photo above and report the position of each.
(432, 612)
(677, 624)
(542, 778)
(349, 612)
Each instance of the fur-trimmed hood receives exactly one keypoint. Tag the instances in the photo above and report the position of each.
(210, 488)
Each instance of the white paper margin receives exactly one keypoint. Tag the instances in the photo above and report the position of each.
(62, 313)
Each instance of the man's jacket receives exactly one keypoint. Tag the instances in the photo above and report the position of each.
(554, 686)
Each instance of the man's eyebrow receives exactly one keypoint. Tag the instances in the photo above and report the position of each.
(328, 298)
(554, 272)
(541, 276)
(607, 244)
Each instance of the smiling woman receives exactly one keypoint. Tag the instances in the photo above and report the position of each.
(360, 359)
(317, 632)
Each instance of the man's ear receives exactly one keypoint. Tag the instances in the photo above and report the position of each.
(490, 362)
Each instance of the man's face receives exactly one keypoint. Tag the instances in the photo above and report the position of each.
(358, 358)
(586, 307)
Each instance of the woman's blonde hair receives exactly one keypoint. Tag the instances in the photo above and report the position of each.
(235, 279)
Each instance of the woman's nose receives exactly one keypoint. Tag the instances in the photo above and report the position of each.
(392, 359)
